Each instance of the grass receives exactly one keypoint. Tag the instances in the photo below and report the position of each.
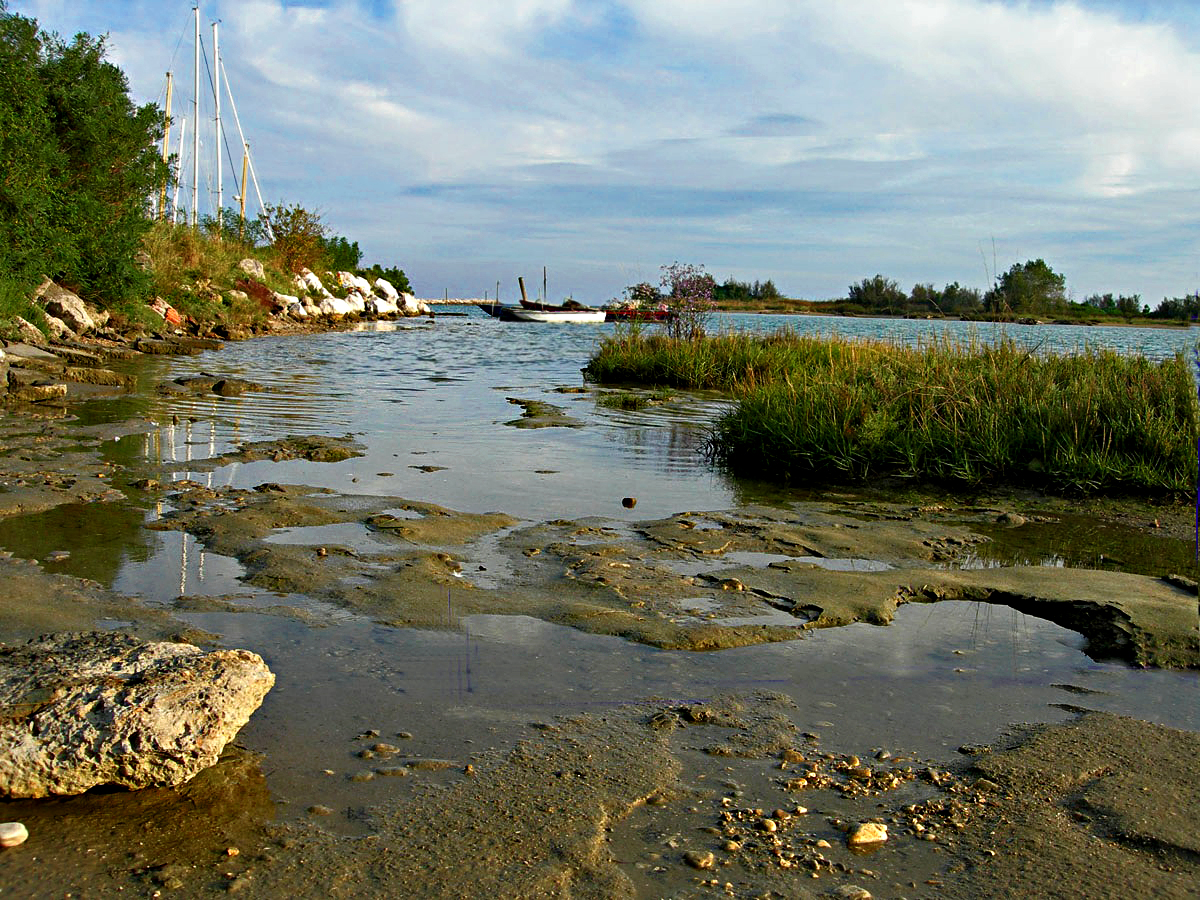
(970, 413)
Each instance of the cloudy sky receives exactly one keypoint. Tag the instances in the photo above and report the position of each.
(812, 142)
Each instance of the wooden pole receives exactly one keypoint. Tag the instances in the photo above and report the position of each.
(521, 282)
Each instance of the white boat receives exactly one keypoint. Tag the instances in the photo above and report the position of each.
(522, 314)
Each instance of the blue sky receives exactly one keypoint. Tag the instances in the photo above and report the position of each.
(811, 142)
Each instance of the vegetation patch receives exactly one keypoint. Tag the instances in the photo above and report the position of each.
(970, 413)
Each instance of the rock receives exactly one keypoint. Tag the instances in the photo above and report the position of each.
(170, 315)
(1011, 518)
(253, 268)
(28, 332)
(100, 708)
(700, 859)
(867, 833)
(64, 305)
(13, 834)
(59, 330)
(387, 290)
(629, 502)
(850, 892)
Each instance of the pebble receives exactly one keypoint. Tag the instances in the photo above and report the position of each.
(320, 810)
(851, 892)
(867, 833)
(700, 859)
(13, 834)
(629, 502)
(392, 771)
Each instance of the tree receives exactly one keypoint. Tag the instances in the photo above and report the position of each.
(79, 160)
(957, 299)
(299, 236)
(1028, 287)
(340, 254)
(689, 291)
(878, 294)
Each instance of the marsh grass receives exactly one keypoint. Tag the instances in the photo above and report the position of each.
(970, 413)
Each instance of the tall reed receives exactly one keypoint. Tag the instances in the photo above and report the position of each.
(971, 412)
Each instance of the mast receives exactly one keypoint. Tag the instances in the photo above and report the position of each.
(196, 123)
(166, 150)
(178, 173)
(217, 102)
(242, 195)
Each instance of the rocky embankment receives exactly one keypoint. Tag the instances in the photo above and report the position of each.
(70, 358)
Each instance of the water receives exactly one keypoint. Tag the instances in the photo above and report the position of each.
(430, 403)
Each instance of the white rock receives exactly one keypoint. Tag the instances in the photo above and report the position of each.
(867, 833)
(354, 282)
(382, 307)
(253, 268)
(62, 304)
(283, 301)
(84, 710)
(297, 311)
(13, 834)
(384, 287)
(357, 302)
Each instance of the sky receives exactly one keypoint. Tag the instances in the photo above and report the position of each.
(811, 142)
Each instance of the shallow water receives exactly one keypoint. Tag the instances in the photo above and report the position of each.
(436, 395)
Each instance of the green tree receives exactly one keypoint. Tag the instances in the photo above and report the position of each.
(391, 274)
(299, 236)
(878, 294)
(340, 254)
(77, 161)
(1028, 287)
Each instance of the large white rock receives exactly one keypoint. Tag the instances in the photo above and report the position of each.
(357, 302)
(64, 305)
(411, 306)
(83, 710)
(386, 289)
(308, 282)
(382, 307)
(335, 307)
(354, 282)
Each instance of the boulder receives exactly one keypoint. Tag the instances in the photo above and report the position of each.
(28, 332)
(62, 304)
(59, 330)
(357, 302)
(105, 708)
(384, 288)
(411, 306)
(353, 282)
(382, 307)
(307, 282)
(253, 268)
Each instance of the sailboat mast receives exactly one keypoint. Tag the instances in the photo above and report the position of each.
(166, 151)
(196, 122)
(217, 102)
(178, 173)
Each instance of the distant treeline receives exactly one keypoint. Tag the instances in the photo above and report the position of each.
(1027, 290)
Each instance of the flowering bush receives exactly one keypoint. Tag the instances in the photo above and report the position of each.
(689, 291)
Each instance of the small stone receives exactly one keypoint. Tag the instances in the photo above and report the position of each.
(328, 772)
(385, 748)
(232, 851)
(867, 833)
(850, 892)
(392, 771)
(362, 776)
(792, 756)
(883, 754)
(58, 556)
(769, 825)
(13, 834)
(371, 733)
(318, 810)
(629, 502)
(700, 859)
(404, 735)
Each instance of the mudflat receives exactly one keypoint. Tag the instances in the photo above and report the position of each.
(709, 793)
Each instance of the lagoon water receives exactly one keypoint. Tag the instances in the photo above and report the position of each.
(430, 403)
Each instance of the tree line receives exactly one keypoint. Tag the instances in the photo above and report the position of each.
(81, 172)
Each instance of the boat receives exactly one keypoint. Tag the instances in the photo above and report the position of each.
(581, 316)
(571, 312)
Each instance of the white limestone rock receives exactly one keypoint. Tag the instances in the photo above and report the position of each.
(253, 268)
(62, 304)
(82, 710)
(384, 288)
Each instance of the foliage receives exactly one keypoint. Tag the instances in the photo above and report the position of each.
(742, 293)
(79, 161)
(299, 236)
(1185, 309)
(689, 291)
(392, 274)
(340, 254)
(1027, 288)
(878, 294)
(643, 295)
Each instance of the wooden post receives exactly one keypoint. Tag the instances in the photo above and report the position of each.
(521, 282)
